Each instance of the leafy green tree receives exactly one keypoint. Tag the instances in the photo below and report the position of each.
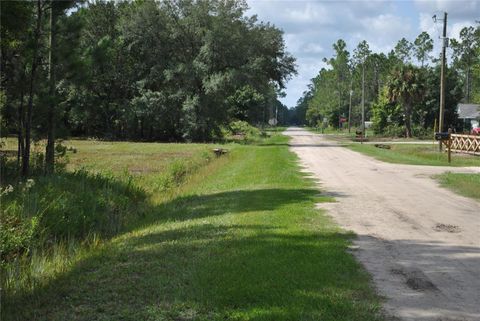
(324, 102)
(422, 48)
(298, 113)
(340, 64)
(15, 52)
(476, 77)
(465, 55)
(386, 113)
(57, 9)
(361, 55)
(428, 109)
(403, 50)
(406, 87)
(35, 61)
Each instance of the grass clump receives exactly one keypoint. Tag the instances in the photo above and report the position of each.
(464, 184)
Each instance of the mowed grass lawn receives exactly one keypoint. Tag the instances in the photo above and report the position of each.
(464, 184)
(241, 240)
(413, 154)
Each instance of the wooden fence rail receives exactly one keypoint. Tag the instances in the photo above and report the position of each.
(469, 144)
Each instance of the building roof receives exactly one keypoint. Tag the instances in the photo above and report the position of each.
(468, 111)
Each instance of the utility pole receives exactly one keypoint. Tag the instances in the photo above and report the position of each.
(363, 100)
(350, 109)
(442, 78)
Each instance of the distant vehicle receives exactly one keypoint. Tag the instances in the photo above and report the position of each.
(475, 131)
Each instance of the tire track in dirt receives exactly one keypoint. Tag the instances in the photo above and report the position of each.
(420, 242)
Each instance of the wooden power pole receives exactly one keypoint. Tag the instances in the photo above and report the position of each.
(442, 78)
(363, 101)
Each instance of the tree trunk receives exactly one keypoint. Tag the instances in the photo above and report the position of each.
(467, 90)
(21, 122)
(408, 120)
(28, 121)
(50, 149)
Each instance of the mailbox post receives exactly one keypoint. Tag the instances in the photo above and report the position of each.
(445, 138)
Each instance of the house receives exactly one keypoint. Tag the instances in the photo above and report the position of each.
(469, 114)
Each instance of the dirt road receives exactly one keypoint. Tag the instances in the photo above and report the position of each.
(420, 242)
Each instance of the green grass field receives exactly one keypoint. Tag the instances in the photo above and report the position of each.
(464, 184)
(413, 154)
(240, 239)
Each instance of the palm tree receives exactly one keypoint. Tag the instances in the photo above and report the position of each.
(405, 86)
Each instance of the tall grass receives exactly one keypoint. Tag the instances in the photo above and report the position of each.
(49, 222)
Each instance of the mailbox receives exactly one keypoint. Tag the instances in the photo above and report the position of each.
(442, 136)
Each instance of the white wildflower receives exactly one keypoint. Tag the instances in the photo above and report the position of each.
(8, 189)
(29, 184)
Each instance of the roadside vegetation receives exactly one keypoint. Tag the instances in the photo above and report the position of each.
(401, 88)
(171, 71)
(412, 154)
(464, 184)
(47, 221)
(240, 239)
(343, 135)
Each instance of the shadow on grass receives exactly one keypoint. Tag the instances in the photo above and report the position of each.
(201, 273)
(236, 202)
(210, 269)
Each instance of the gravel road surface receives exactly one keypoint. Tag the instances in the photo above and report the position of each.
(420, 242)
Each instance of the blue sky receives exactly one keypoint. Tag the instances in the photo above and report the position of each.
(311, 27)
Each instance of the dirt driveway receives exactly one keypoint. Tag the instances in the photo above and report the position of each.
(420, 242)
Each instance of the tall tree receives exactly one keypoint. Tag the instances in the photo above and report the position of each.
(405, 87)
(31, 86)
(403, 50)
(465, 55)
(361, 54)
(340, 66)
(14, 55)
(423, 46)
(57, 8)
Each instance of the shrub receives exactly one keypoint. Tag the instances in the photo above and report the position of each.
(394, 131)
(241, 130)
(421, 132)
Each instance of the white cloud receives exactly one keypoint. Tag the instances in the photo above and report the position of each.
(456, 9)
(455, 29)
(313, 48)
(383, 31)
(309, 12)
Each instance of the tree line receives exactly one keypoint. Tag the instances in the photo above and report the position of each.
(174, 70)
(401, 88)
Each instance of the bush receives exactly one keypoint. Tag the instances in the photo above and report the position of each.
(394, 131)
(241, 130)
(421, 132)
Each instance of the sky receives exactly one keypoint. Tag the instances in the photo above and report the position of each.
(311, 27)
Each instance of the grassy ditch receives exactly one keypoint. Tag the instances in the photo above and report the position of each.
(240, 240)
(48, 222)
